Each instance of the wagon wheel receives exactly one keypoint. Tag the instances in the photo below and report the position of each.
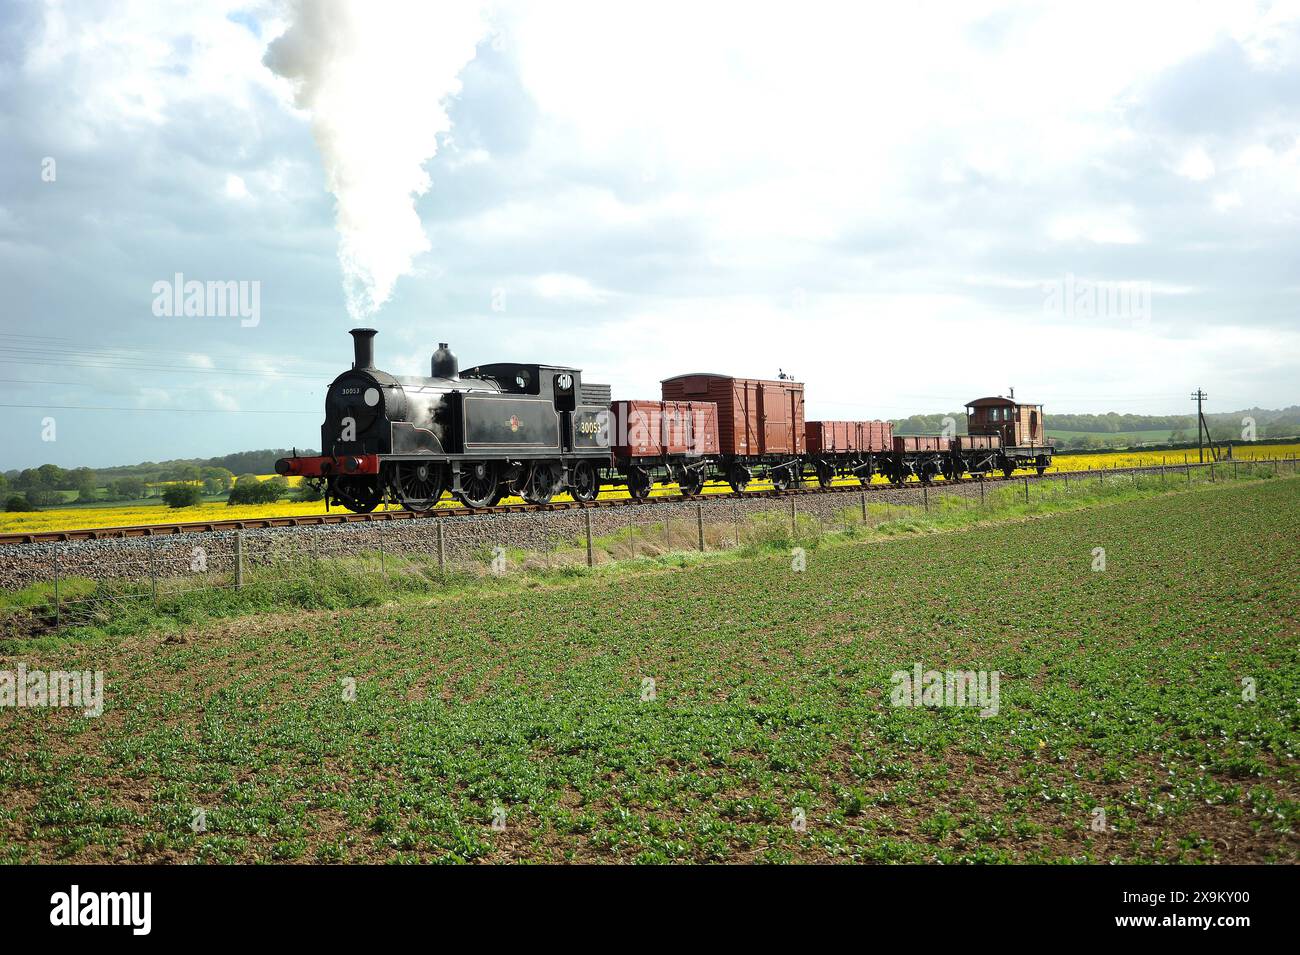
(825, 475)
(360, 494)
(738, 477)
(692, 482)
(540, 486)
(478, 485)
(638, 484)
(1008, 470)
(586, 485)
(419, 484)
(780, 479)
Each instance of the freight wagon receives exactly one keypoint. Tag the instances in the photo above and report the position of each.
(924, 457)
(673, 440)
(760, 425)
(847, 448)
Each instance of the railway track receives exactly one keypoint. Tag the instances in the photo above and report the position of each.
(347, 517)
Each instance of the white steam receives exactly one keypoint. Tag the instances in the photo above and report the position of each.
(374, 75)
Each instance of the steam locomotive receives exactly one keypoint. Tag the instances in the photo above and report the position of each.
(536, 430)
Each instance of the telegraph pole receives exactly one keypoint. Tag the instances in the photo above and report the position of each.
(1199, 396)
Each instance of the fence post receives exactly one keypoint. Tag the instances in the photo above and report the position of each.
(58, 572)
(864, 507)
(1026, 488)
(925, 498)
(735, 520)
(153, 573)
(981, 493)
(239, 560)
(383, 566)
(699, 523)
(591, 560)
(442, 550)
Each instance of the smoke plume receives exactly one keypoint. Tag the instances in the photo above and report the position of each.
(374, 76)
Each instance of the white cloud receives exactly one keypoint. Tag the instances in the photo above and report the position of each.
(236, 188)
(1196, 165)
(567, 289)
(1103, 228)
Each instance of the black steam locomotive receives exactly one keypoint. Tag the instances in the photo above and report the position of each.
(484, 433)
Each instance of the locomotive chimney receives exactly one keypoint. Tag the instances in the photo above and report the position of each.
(363, 347)
(445, 364)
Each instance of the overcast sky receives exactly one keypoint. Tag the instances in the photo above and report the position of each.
(908, 206)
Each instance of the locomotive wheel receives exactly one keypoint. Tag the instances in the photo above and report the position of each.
(478, 485)
(738, 477)
(692, 482)
(638, 484)
(585, 484)
(540, 486)
(419, 484)
(359, 494)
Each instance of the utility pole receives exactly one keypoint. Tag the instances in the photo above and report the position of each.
(1199, 396)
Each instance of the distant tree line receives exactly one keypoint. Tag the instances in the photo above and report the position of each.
(1100, 430)
(50, 485)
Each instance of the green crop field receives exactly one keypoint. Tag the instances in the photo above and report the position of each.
(1158, 436)
(521, 723)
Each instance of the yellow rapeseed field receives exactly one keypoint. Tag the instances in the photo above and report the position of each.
(1131, 459)
(66, 518)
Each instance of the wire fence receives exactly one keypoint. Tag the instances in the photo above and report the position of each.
(82, 581)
